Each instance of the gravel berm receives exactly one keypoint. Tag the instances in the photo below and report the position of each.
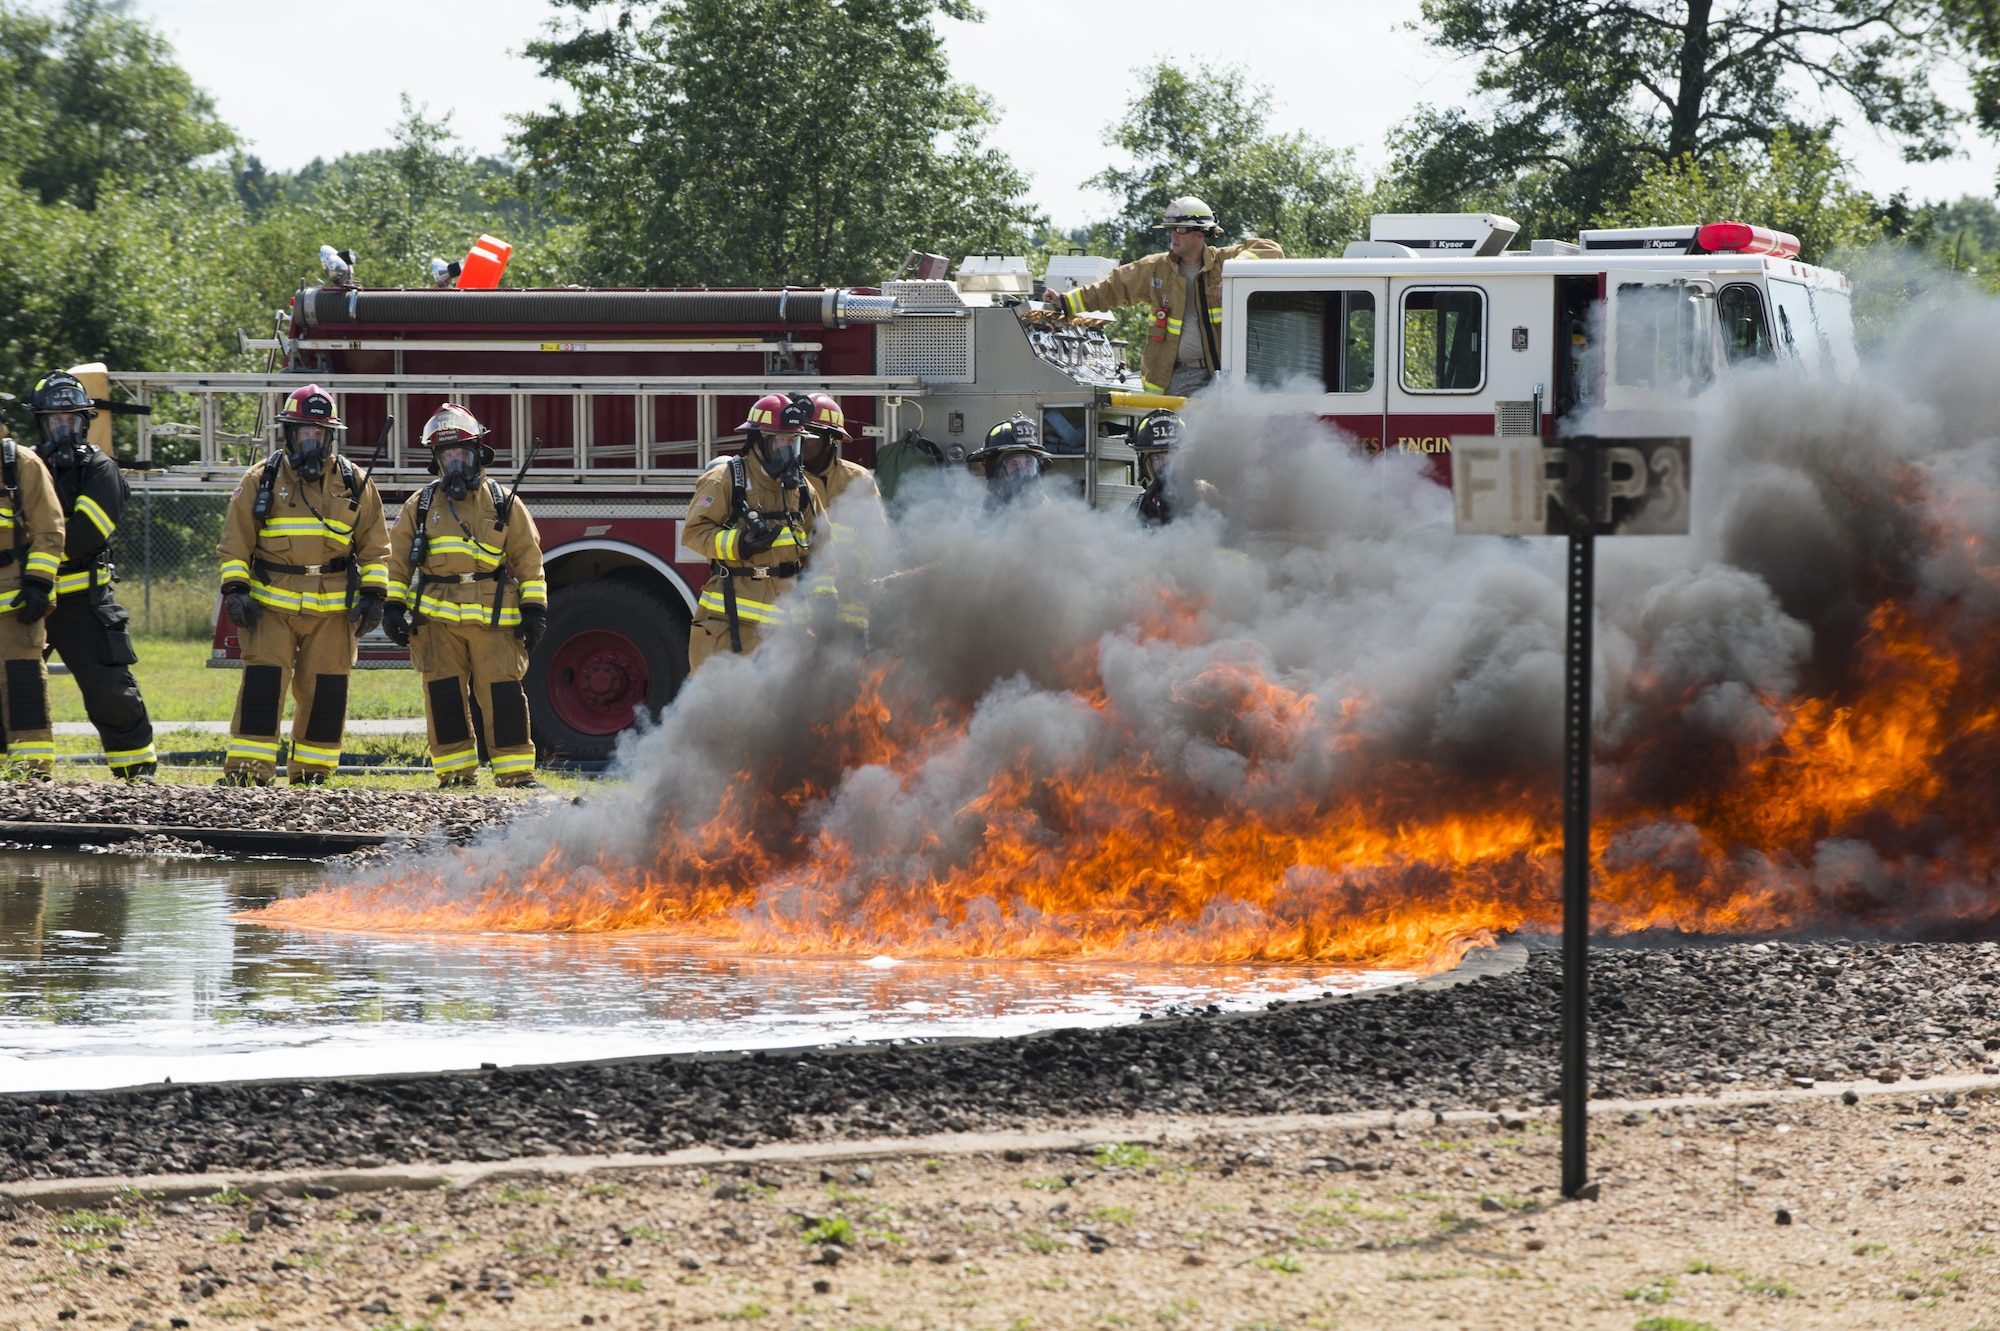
(325, 809)
(1666, 1021)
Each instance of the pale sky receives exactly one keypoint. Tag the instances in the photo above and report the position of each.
(1343, 70)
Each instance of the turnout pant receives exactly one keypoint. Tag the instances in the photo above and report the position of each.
(312, 653)
(92, 640)
(491, 661)
(24, 696)
(708, 637)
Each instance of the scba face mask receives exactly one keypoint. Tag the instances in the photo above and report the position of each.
(62, 435)
(460, 469)
(308, 451)
(780, 453)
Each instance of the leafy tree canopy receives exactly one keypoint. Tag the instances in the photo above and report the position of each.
(1206, 131)
(1585, 97)
(91, 97)
(1795, 185)
(752, 142)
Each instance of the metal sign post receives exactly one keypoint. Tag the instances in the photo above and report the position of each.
(1579, 487)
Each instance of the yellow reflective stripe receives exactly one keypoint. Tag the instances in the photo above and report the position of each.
(235, 570)
(1173, 325)
(305, 527)
(6, 519)
(455, 762)
(126, 757)
(725, 543)
(44, 563)
(786, 537)
(1072, 300)
(754, 612)
(241, 746)
(853, 612)
(374, 575)
(465, 612)
(505, 764)
(311, 603)
(399, 592)
(73, 582)
(1152, 387)
(30, 750)
(1215, 314)
(534, 589)
(93, 510)
(483, 554)
(315, 755)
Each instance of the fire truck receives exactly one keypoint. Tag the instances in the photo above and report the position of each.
(633, 393)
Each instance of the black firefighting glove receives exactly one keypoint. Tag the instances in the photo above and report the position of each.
(242, 608)
(396, 622)
(366, 616)
(534, 623)
(758, 535)
(34, 600)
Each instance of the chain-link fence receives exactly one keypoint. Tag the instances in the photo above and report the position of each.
(165, 551)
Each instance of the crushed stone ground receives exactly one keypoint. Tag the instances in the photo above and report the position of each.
(1892, 1205)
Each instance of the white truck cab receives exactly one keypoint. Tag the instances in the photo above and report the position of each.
(1434, 327)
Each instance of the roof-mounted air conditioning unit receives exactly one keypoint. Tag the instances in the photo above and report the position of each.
(1443, 234)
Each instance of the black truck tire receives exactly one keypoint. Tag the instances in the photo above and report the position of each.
(614, 650)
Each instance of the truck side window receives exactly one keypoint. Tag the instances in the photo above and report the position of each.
(1327, 337)
(1444, 345)
(1797, 329)
(1746, 333)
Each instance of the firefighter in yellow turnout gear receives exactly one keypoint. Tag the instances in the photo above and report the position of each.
(304, 574)
(753, 517)
(458, 545)
(1182, 350)
(857, 532)
(31, 547)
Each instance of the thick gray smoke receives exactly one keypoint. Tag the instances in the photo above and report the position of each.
(1052, 640)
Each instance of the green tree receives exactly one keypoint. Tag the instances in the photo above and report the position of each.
(765, 141)
(92, 97)
(1587, 96)
(1795, 185)
(1207, 132)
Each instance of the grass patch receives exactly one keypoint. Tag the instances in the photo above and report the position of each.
(602, 1189)
(629, 1284)
(1425, 1275)
(1698, 1267)
(1511, 1202)
(1653, 1291)
(749, 1312)
(1772, 1289)
(1113, 1215)
(227, 1197)
(1124, 1155)
(1048, 1184)
(1670, 1324)
(532, 1196)
(543, 1281)
(92, 1222)
(1284, 1263)
(830, 1229)
(1045, 1243)
(645, 1232)
(1865, 1249)
(178, 684)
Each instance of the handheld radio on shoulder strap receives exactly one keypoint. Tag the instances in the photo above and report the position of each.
(266, 483)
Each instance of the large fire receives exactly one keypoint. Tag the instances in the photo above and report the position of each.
(1053, 813)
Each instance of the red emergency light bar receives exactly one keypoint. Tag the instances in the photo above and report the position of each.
(1742, 238)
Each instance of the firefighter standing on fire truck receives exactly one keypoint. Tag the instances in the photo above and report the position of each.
(458, 543)
(859, 528)
(1183, 288)
(304, 576)
(753, 516)
(87, 627)
(31, 546)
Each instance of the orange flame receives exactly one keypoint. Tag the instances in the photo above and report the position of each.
(1112, 850)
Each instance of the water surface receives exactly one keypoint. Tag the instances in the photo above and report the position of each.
(120, 969)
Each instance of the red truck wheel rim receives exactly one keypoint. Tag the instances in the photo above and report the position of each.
(598, 681)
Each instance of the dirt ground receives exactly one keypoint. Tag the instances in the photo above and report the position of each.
(1819, 1214)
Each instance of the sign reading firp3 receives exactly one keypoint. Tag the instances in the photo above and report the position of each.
(1515, 486)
